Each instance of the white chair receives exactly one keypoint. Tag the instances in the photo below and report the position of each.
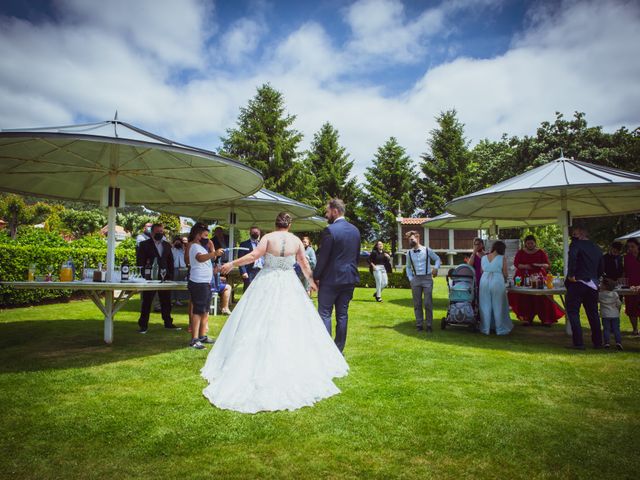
(213, 308)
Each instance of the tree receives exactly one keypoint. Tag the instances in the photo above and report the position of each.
(133, 222)
(265, 140)
(390, 189)
(17, 212)
(446, 169)
(171, 224)
(83, 222)
(329, 163)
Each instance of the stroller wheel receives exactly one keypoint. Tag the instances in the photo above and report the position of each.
(443, 323)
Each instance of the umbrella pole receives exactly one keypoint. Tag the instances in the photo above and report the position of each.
(111, 242)
(564, 220)
(111, 254)
(232, 226)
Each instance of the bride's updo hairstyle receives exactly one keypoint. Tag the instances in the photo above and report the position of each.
(283, 220)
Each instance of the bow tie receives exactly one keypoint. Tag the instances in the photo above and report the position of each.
(416, 251)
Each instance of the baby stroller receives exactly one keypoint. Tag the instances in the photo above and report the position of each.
(463, 295)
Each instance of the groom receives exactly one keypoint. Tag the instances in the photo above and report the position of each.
(336, 272)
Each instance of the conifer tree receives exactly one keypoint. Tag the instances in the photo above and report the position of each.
(390, 189)
(446, 168)
(266, 140)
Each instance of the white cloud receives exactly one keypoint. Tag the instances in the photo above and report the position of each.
(172, 31)
(579, 57)
(241, 40)
(380, 29)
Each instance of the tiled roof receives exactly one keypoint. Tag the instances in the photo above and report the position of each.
(413, 221)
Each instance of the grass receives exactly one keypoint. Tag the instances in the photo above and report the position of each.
(453, 404)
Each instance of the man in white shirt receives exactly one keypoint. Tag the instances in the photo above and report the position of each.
(421, 271)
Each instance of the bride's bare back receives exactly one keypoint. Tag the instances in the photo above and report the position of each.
(282, 244)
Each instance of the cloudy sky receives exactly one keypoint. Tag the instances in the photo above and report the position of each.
(373, 68)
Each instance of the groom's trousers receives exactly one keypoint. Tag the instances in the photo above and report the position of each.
(338, 296)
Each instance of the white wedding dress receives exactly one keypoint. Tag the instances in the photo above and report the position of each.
(274, 352)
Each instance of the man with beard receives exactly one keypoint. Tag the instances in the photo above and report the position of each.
(337, 269)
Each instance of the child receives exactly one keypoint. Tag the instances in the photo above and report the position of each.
(610, 311)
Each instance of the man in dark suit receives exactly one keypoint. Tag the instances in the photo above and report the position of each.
(336, 272)
(250, 271)
(583, 277)
(148, 250)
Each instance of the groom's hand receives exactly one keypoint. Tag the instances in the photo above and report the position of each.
(313, 285)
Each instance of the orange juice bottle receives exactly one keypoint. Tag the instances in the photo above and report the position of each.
(549, 280)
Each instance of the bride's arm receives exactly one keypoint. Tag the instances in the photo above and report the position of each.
(257, 252)
(301, 258)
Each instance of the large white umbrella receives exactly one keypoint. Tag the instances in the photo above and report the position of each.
(106, 161)
(562, 189)
(308, 224)
(635, 234)
(450, 221)
(260, 209)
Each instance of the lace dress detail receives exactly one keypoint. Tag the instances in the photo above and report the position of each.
(271, 262)
(274, 352)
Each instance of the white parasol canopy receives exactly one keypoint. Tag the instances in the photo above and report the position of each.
(562, 189)
(106, 161)
(448, 220)
(635, 234)
(260, 209)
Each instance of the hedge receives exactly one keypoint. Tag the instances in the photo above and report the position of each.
(397, 279)
(15, 261)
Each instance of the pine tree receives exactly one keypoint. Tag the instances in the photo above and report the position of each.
(446, 168)
(390, 189)
(265, 140)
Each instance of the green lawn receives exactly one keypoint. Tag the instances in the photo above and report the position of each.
(453, 404)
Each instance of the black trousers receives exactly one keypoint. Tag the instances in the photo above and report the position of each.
(580, 294)
(165, 305)
(252, 272)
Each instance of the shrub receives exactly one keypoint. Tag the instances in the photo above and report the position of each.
(397, 279)
(15, 261)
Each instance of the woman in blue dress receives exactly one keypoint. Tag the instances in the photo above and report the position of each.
(494, 307)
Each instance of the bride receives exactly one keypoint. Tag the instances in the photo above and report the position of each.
(274, 352)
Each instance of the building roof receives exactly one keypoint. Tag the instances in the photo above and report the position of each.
(413, 221)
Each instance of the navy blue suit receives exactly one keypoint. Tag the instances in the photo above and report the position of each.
(337, 272)
(585, 263)
(248, 269)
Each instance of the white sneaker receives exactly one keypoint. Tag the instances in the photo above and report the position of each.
(226, 311)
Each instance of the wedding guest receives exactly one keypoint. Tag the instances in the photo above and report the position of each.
(494, 308)
(222, 288)
(310, 255)
(531, 260)
(220, 239)
(160, 250)
(420, 272)
(179, 269)
(249, 272)
(379, 266)
(200, 275)
(144, 235)
(613, 266)
(475, 260)
(610, 312)
(583, 273)
(632, 273)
